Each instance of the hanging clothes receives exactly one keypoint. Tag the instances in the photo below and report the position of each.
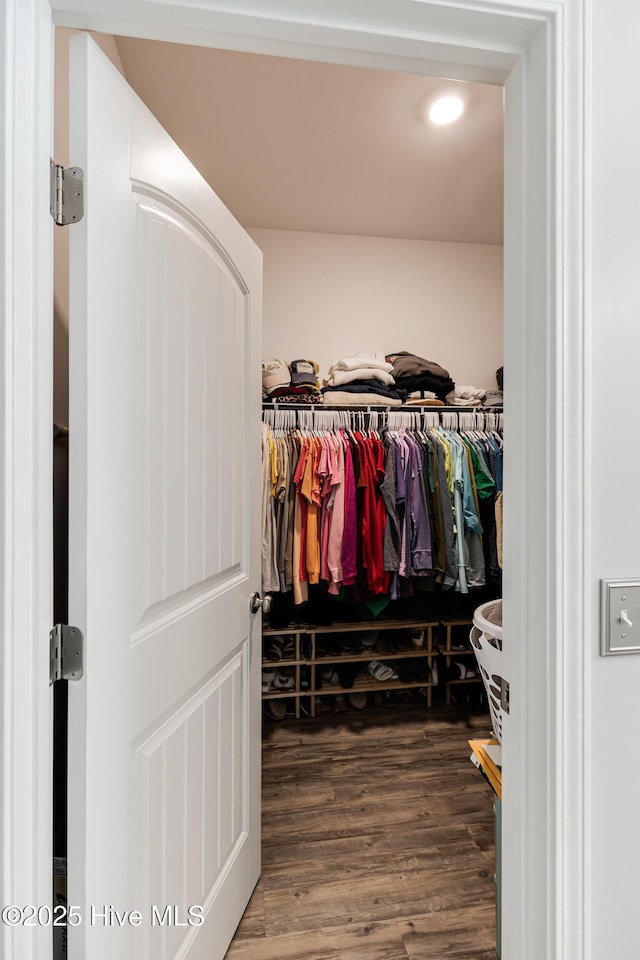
(379, 511)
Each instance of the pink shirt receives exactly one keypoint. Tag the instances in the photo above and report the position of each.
(328, 465)
(336, 524)
(350, 533)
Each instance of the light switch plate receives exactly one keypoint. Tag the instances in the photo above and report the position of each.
(619, 617)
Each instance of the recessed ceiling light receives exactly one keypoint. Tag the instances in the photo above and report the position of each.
(446, 109)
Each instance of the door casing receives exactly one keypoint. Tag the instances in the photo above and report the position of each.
(539, 50)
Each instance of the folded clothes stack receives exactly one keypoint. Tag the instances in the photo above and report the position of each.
(342, 398)
(412, 373)
(494, 398)
(466, 397)
(423, 398)
(363, 379)
(296, 382)
(360, 366)
(295, 395)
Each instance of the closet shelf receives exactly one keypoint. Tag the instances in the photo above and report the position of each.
(274, 664)
(438, 637)
(284, 694)
(378, 408)
(362, 657)
(361, 684)
(360, 625)
(366, 684)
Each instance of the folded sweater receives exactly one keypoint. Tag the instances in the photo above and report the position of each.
(337, 377)
(409, 365)
(367, 386)
(468, 393)
(292, 390)
(464, 396)
(307, 398)
(375, 360)
(494, 398)
(454, 401)
(426, 381)
(337, 398)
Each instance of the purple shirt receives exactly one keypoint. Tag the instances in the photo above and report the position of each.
(421, 561)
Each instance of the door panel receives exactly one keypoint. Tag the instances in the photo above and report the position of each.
(192, 528)
(164, 746)
(189, 837)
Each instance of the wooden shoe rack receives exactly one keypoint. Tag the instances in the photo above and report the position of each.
(438, 636)
(457, 647)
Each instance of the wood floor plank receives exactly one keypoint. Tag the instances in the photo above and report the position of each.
(358, 869)
(252, 926)
(364, 818)
(375, 941)
(480, 835)
(444, 844)
(357, 898)
(377, 843)
(455, 934)
(279, 797)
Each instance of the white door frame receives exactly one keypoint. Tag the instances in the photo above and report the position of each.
(26, 439)
(540, 48)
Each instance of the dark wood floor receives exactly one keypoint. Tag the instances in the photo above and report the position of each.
(377, 841)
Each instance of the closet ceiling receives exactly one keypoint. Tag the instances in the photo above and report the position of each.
(296, 145)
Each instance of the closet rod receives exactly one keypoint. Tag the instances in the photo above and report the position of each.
(378, 408)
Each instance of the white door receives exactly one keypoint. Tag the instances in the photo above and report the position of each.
(164, 743)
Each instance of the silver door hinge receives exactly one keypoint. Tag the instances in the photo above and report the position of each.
(66, 201)
(504, 695)
(66, 652)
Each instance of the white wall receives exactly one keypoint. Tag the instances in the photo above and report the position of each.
(327, 295)
(615, 361)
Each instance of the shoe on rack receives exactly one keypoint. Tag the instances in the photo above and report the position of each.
(322, 647)
(273, 647)
(274, 709)
(357, 700)
(368, 638)
(283, 680)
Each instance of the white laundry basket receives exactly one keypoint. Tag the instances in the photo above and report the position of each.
(486, 640)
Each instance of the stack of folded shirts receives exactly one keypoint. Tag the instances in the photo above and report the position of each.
(341, 398)
(423, 398)
(413, 373)
(360, 366)
(494, 398)
(466, 397)
(361, 380)
(295, 395)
